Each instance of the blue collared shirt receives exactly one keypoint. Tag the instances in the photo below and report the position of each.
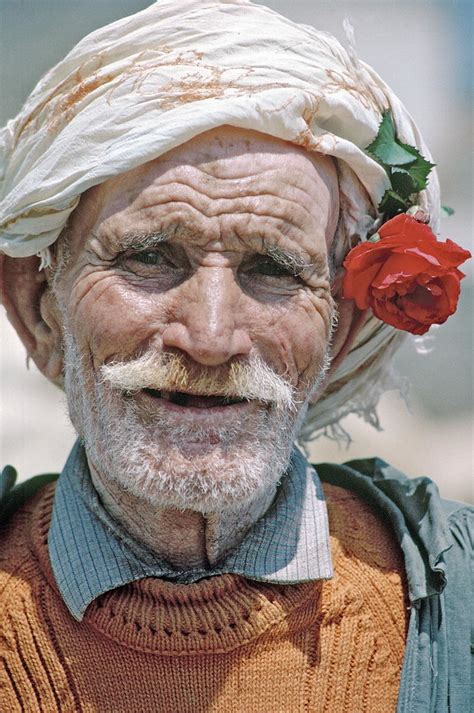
(91, 553)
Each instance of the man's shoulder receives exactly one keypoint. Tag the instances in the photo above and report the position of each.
(13, 496)
(374, 480)
(364, 535)
(434, 534)
(24, 520)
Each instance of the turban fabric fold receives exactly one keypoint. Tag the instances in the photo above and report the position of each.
(137, 88)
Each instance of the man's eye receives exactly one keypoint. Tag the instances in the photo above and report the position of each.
(148, 257)
(271, 268)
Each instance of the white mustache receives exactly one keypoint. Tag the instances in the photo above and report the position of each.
(250, 380)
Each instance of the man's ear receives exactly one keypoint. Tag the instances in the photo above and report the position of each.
(33, 311)
(349, 321)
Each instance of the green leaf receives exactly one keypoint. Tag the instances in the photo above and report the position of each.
(446, 211)
(393, 204)
(385, 148)
(406, 169)
(402, 181)
(420, 169)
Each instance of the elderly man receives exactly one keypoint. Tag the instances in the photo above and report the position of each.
(214, 228)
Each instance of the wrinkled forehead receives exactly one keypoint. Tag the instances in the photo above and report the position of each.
(227, 142)
(219, 173)
(230, 163)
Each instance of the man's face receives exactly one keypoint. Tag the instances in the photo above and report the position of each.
(209, 264)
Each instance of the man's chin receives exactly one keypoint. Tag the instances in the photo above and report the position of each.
(201, 464)
(199, 475)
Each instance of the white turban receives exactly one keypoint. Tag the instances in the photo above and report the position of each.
(131, 91)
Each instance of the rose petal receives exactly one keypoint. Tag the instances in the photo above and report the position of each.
(389, 313)
(406, 226)
(399, 268)
(356, 285)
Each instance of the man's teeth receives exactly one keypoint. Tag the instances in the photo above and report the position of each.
(183, 399)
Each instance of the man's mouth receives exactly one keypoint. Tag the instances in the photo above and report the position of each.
(186, 400)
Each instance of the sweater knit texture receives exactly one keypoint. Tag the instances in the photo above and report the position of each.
(221, 645)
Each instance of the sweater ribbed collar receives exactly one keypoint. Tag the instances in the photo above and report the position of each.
(91, 554)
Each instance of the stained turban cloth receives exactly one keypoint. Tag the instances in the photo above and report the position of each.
(135, 89)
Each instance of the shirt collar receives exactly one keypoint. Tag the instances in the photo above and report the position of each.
(91, 554)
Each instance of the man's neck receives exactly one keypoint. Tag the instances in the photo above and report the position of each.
(184, 538)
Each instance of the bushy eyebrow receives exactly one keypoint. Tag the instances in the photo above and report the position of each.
(139, 240)
(291, 261)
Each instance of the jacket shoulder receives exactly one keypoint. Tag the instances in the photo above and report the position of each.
(13, 496)
(372, 476)
(431, 531)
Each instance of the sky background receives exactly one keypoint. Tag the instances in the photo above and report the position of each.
(422, 49)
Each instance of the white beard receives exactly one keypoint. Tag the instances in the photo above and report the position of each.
(160, 459)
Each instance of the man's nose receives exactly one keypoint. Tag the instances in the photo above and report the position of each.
(205, 324)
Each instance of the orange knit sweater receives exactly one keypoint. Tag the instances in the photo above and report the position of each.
(224, 644)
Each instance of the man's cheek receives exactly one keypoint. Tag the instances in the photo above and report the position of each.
(309, 339)
(295, 342)
(113, 327)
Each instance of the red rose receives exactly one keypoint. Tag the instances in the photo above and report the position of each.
(408, 278)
